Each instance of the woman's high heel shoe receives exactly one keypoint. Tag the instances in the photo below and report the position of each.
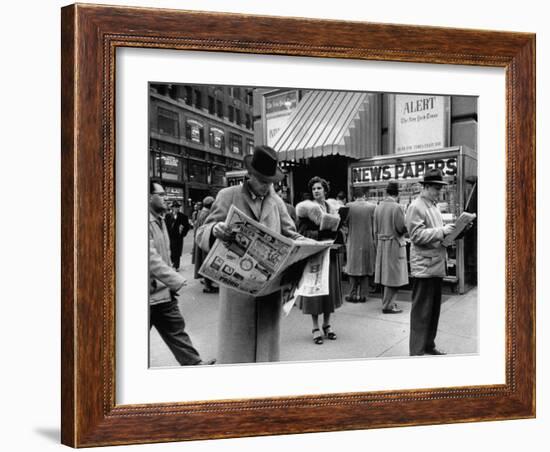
(317, 337)
(329, 334)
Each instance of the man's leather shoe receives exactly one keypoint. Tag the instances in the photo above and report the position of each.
(207, 363)
(435, 351)
(392, 311)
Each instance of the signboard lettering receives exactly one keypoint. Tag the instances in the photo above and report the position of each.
(421, 123)
(402, 171)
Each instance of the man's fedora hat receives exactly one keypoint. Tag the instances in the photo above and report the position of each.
(263, 163)
(433, 177)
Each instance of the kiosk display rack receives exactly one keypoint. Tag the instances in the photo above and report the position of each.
(459, 168)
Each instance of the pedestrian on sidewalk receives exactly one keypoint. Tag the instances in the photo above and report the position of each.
(310, 214)
(391, 249)
(164, 284)
(178, 225)
(289, 207)
(198, 252)
(361, 251)
(249, 326)
(428, 263)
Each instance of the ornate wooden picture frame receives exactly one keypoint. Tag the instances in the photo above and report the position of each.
(90, 38)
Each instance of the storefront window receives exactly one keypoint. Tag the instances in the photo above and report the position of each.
(236, 144)
(170, 167)
(174, 194)
(154, 165)
(197, 172)
(194, 131)
(218, 175)
(167, 122)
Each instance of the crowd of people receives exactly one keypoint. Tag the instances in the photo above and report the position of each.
(369, 247)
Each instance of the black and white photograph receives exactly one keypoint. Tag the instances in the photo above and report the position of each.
(298, 225)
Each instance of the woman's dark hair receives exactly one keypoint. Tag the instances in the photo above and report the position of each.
(319, 180)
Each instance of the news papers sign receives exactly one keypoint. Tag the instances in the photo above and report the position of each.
(421, 123)
(402, 171)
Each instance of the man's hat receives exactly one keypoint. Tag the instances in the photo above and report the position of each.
(392, 186)
(176, 205)
(208, 201)
(263, 163)
(433, 177)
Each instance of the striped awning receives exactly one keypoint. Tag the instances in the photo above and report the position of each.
(331, 123)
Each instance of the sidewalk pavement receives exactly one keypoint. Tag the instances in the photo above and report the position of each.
(362, 330)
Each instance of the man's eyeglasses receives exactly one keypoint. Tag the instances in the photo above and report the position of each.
(161, 194)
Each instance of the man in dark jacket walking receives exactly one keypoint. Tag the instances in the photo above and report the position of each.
(178, 225)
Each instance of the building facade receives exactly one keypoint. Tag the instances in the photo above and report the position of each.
(198, 133)
(323, 132)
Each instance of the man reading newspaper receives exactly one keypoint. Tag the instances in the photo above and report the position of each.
(249, 325)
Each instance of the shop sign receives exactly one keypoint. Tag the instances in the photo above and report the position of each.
(402, 171)
(170, 167)
(195, 128)
(278, 108)
(174, 193)
(235, 181)
(235, 177)
(217, 137)
(421, 123)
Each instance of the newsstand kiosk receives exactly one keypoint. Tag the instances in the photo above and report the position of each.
(459, 167)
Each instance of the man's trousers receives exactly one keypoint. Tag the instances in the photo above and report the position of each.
(167, 319)
(426, 307)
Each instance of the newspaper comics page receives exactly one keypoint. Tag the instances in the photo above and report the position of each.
(254, 261)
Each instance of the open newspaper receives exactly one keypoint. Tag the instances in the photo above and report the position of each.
(313, 282)
(258, 261)
(463, 220)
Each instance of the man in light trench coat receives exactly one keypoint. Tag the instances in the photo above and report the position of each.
(391, 251)
(428, 263)
(249, 327)
(164, 284)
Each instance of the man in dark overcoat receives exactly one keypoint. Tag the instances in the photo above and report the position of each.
(178, 225)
